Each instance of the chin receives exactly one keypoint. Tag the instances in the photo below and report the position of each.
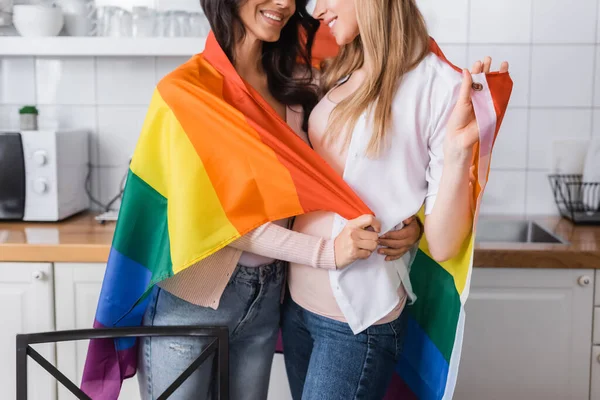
(343, 40)
(269, 37)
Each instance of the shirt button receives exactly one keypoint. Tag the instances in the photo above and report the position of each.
(478, 87)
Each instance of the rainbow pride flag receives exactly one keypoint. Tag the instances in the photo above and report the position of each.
(213, 162)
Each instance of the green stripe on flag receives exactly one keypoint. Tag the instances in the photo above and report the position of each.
(143, 234)
(438, 304)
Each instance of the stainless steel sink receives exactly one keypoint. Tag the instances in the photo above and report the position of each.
(514, 231)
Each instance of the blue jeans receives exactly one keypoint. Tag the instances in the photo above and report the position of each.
(250, 307)
(325, 360)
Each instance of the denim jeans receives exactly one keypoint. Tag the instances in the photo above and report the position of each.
(325, 360)
(250, 307)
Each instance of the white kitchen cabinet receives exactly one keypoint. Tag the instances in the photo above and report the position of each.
(528, 335)
(597, 297)
(77, 292)
(595, 395)
(26, 306)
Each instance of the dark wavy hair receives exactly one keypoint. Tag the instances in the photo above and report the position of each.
(281, 59)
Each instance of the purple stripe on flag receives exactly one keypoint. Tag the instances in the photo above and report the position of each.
(105, 368)
(398, 390)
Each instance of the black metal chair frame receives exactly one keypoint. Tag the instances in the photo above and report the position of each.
(219, 346)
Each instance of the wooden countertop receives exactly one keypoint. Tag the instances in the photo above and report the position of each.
(82, 239)
(78, 239)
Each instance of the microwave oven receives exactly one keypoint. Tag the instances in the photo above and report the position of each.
(43, 174)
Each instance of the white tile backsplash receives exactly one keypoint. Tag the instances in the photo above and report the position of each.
(540, 200)
(66, 81)
(560, 21)
(597, 79)
(447, 21)
(506, 21)
(596, 124)
(519, 60)
(67, 117)
(552, 124)
(118, 132)
(562, 76)
(9, 118)
(505, 193)
(125, 81)
(510, 150)
(165, 65)
(456, 54)
(110, 184)
(17, 81)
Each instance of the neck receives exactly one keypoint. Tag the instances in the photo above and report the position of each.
(248, 54)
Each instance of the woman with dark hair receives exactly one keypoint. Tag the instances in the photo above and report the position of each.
(269, 43)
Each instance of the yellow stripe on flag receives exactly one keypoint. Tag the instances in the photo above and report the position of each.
(198, 225)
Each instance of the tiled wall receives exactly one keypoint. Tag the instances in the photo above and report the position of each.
(551, 45)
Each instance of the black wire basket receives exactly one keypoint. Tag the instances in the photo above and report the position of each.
(576, 200)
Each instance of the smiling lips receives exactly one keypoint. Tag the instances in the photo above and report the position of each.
(332, 22)
(273, 17)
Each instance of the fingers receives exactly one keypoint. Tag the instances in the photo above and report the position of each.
(477, 67)
(394, 252)
(465, 89)
(487, 65)
(395, 244)
(365, 221)
(363, 254)
(410, 220)
(369, 245)
(361, 234)
(396, 235)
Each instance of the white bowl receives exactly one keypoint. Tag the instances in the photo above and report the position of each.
(37, 21)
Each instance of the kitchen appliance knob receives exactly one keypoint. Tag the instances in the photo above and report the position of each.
(40, 157)
(40, 186)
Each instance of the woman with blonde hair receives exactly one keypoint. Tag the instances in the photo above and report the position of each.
(397, 122)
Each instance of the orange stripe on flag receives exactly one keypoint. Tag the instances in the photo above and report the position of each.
(239, 165)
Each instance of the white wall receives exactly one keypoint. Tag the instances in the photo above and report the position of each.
(551, 45)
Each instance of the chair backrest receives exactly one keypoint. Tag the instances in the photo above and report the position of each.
(219, 346)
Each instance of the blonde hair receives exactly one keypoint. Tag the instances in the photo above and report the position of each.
(394, 37)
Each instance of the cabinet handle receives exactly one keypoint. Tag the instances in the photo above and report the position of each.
(39, 275)
(599, 358)
(584, 280)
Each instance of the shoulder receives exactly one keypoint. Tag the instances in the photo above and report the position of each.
(439, 74)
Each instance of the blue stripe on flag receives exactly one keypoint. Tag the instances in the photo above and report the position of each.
(422, 366)
(124, 284)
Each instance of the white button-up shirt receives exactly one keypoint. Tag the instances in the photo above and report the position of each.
(396, 184)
